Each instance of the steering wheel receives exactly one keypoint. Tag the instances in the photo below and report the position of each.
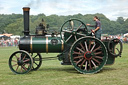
(71, 29)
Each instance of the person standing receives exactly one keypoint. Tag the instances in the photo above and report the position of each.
(98, 30)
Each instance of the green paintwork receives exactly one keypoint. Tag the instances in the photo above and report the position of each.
(39, 44)
(111, 58)
(104, 51)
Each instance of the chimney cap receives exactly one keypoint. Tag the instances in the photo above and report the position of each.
(26, 8)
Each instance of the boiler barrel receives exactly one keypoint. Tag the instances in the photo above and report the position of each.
(40, 44)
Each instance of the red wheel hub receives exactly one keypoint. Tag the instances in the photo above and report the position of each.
(87, 55)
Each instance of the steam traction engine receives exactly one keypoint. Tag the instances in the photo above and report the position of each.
(76, 45)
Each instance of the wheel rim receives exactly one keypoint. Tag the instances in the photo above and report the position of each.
(37, 61)
(70, 29)
(20, 62)
(88, 55)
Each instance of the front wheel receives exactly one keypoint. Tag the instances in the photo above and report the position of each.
(20, 62)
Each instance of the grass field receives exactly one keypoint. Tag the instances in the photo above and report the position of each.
(53, 73)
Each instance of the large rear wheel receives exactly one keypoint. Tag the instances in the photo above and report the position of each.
(88, 55)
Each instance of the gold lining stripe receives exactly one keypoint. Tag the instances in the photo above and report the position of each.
(46, 44)
(62, 47)
(31, 43)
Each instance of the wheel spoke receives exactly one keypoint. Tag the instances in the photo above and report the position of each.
(79, 27)
(28, 65)
(86, 46)
(26, 60)
(90, 65)
(15, 65)
(82, 46)
(96, 49)
(14, 61)
(16, 57)
(99, 57)
(75, 37)
(21, 69)
(68, 38)
(86, 63)
(77, 53)
(97, 53)
(35, 56)
(79, 61)
(93, 64)
(20, 56)
(24, 67)
(36, 63)
(67, 31)
(89, 45)
(17, 68)
(78, 57)
(24, 57)
(80, 50)
(82, 63)
(81, 34)
(96, 60)
(93, 47)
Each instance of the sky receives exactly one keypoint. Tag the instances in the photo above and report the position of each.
(110, 8)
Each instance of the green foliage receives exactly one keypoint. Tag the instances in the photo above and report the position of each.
(15, 27)
(14, 23)
(120, 20)
(5, 20)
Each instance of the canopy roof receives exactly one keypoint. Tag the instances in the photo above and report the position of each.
(8, 35)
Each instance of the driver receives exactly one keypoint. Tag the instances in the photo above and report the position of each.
(98, 30)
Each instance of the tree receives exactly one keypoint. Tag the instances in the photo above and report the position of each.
(125, 27)
(120, 20)
(13, 23)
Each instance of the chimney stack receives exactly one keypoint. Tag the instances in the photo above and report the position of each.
(26, 20)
